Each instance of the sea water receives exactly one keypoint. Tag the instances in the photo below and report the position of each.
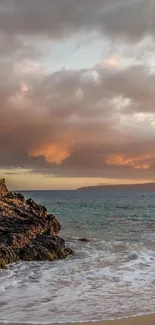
(111, 276)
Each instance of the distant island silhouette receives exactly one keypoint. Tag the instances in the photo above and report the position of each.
(145, 186)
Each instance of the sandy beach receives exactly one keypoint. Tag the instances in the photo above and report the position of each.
(140, 320)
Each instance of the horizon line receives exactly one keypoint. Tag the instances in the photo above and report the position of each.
(90, 186)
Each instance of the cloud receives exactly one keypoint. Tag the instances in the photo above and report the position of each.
(107, 131)
(53, 153)
(56, 19)
(112, 61)
(97, 122)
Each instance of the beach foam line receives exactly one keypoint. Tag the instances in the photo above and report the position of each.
(138, 320)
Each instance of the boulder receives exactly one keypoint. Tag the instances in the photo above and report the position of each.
(27, 231)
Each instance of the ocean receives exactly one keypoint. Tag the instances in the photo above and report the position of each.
(110, 276)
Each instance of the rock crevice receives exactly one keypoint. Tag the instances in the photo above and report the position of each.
(27, 231)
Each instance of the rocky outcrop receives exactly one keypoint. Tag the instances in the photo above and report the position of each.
(3, 188)
(27, 231)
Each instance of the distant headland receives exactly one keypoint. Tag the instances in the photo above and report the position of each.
(144, 186)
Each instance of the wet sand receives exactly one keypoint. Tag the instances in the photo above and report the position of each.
(141, 320)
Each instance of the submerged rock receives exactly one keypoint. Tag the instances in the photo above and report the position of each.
(27, 231)
(83, 239)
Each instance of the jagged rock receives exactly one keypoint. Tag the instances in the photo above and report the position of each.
(27, 231)
(3, 188)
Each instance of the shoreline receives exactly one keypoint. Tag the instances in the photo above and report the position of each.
(138, 320)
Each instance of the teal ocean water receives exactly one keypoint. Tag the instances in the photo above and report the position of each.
(110, 276)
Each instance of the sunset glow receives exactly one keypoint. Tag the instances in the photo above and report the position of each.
(77, 93)
(52, 153)
(136, 163)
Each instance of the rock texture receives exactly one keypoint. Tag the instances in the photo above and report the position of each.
(27, 231)
(3, 188)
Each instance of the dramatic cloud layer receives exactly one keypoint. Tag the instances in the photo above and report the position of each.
(133, 19)
(97, 122)
(76, 123)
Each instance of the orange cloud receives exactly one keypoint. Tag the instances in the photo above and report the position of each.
(136, 163)
(53, 153)
(24, 87)
(141, 166)
(112, 61)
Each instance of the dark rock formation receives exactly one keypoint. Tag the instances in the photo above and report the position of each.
(3, 188)
(83, 239)
(27, 231)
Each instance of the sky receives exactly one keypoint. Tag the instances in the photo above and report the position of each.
(77, 93)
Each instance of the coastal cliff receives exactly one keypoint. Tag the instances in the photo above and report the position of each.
(27, 231)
